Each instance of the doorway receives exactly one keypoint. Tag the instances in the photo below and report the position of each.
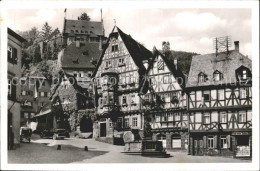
(198, 147)
(103, 129)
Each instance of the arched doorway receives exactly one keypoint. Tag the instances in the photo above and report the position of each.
(162, 138)
(86, 124)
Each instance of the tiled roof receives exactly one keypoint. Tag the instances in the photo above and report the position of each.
(209, 63)
(137, 51)
(14, 34)
(87, 27)
(84, 54)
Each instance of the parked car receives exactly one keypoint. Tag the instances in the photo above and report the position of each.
(60, 134)
(47, 133)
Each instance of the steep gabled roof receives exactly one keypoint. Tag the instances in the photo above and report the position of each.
(87, 27)
(177, 73)
(209, 63)
(15, 35)
(137, 51)
(84, 54)
(75, 84)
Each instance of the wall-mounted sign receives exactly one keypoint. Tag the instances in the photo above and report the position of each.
(240, 133)
(243, 151)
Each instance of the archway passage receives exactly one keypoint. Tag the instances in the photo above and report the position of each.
(176, 141)
(86, 124)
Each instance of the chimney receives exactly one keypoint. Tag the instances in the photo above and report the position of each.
(77, 43)
(166, 48)
(100, 43)
(236, 45)
(175, 62)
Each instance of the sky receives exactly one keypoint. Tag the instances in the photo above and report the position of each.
(190, 30)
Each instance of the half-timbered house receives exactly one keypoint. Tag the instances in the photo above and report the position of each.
(117, 76)
(220, 104)
(169, 121)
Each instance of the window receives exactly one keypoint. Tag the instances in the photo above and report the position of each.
(9, 52)
(202, 77)
(126, 122)
(134, 122)
(12, 54)
(32, 115)
(42, 94)
(132, 99)
(185, 117)
(177, 117)
(75, 74)
(101, 103)
(111, 99)
(206, 96)
(108, 64)
(244, 75)
(242, 116)
(11, 88)
(160, 65)
(26, 115)
(223, 141)
(210, 142)
(124, 100)
(166, 79)
(152, 80)
(89, 74)
(45, 94)
(119, 123)
(223, 117)
(121, 62)
(206, 118)
(221, 95)
(217, 76)
(157, 118)
(242, 93)
(164, 117)
(24, 93)
(114, 48)
(81, 74)
(170, 117)
(110, 124)
(42, 104)
(43, 83)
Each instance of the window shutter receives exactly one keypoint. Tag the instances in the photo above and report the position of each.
(215, 141)
(228, 141)
(13, 89)
(204, 142)
(14, 55)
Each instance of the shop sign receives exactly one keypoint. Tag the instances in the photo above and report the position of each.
(243, 151)
(240, 133)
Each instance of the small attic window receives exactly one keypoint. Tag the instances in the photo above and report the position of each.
(82, 31)
(92, 27)
(244, 74)
(91, 32)
(77, 31)
(83, 26)
(73, 26)
(72, 31)
(86, 31)
(217, 76)
(202, 77)
(85, 52)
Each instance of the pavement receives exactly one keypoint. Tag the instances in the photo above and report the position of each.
(44, 151)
